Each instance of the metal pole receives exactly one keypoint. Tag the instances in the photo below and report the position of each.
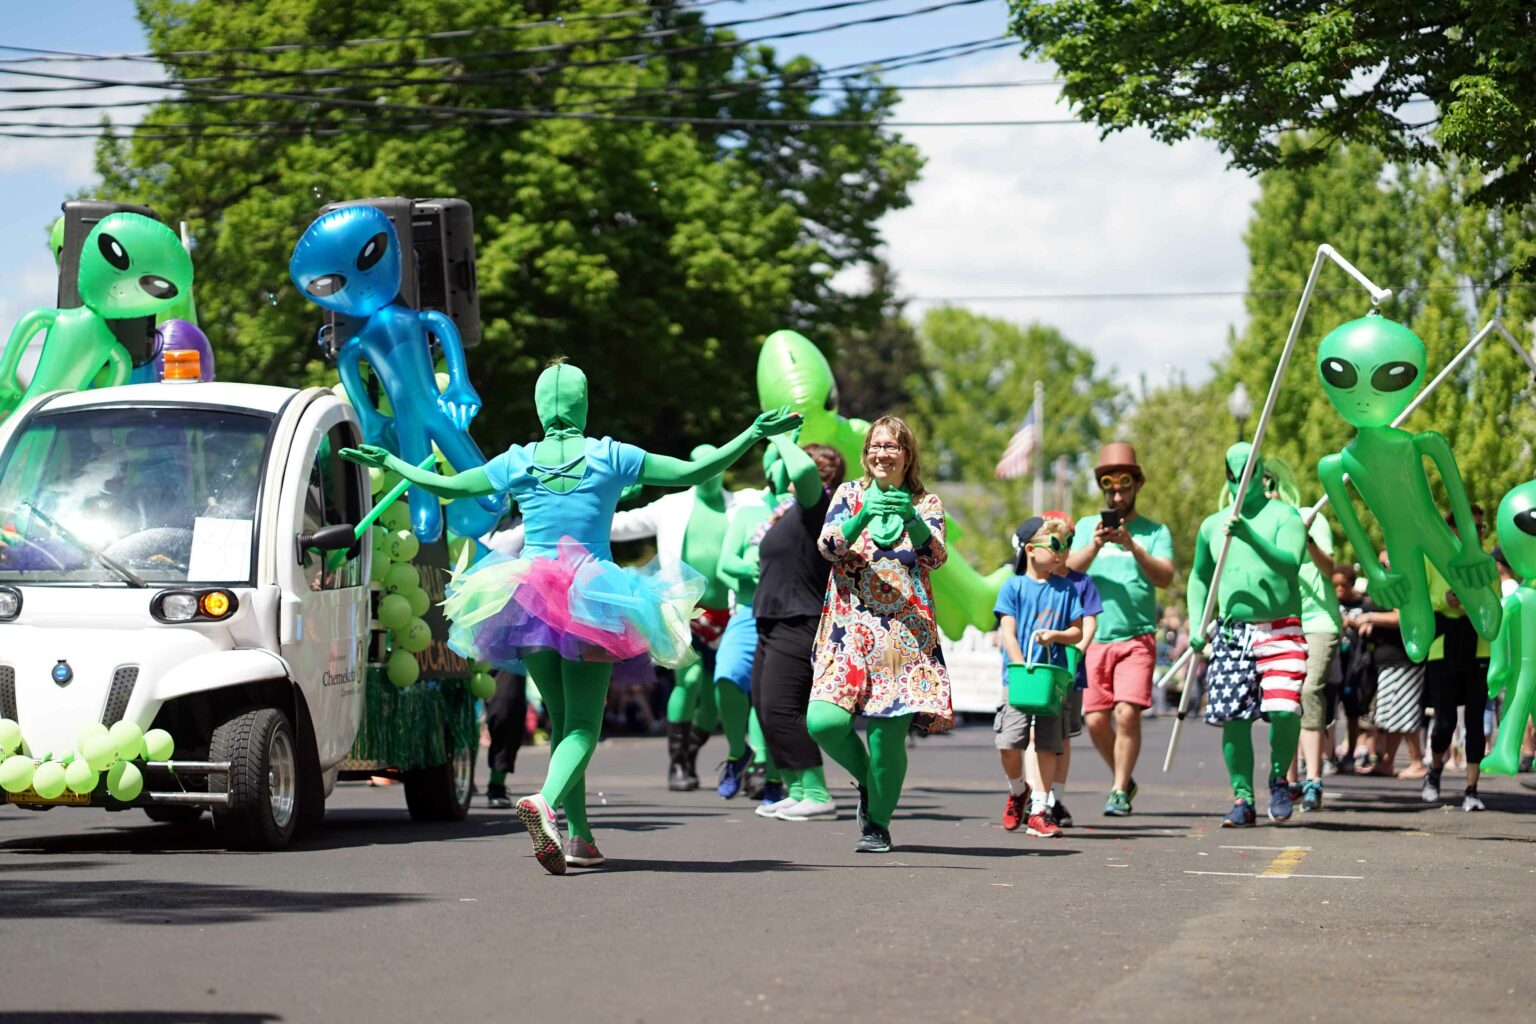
(1038, 495)
(1324, 251)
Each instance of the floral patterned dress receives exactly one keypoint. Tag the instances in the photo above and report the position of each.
(877, 647)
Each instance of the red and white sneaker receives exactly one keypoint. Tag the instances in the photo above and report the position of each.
(1041, 825)
(1015, 810)
(539, 819)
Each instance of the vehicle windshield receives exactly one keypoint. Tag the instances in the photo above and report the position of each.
(167, 493)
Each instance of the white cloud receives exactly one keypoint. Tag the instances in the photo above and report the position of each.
(1051, 209)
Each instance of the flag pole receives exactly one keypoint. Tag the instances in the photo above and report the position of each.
(1039, 488)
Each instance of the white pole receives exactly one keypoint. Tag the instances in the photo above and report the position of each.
(1038, 496)
(1324, 251)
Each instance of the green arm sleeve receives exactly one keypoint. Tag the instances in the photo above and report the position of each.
(736, 569)
(474, 483)
(801, 469)
(664, 471)
(1288, 550)
(1199, 587)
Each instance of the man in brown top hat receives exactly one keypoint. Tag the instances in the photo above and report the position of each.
(1128, 556)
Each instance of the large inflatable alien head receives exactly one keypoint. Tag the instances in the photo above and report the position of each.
(56, 241)
(348, 261)
(1371, 369)
(1517, 530)
(792, 371)
(560, 396)
(132, 266)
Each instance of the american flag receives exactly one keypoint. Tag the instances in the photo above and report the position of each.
(1018, 457)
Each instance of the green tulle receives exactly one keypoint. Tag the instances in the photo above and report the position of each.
(417, 727)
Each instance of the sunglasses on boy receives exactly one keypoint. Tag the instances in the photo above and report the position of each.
(1053, 542)
(1117, 481)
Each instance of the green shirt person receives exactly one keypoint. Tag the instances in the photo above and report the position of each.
(1128, 556)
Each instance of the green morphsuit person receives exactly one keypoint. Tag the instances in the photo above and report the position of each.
(1513, 658)
(1371, 368)
(562, 610)
(1259, 654)
(792, 371)
(129, 266)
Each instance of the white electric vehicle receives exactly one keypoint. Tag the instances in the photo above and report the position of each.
(181, 556)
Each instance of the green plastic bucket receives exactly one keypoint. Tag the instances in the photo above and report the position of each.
(1038, 689)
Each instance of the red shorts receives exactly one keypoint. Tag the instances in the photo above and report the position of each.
(1120, 673)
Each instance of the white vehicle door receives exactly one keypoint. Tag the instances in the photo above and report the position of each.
(325, 613)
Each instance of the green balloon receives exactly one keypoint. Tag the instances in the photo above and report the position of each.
(482, 685)
(416, 638)
(419, 600)
(48, 781)
(128, 739)
(403, 545)
(80, 777)
(401, 578)
(10, 737)
(394, 612)
(381, 567)
(158, 745)
(401, 669)
(375, 479)
(16, 773)
(100, 752)
(381, 538)
(456, 546)
(124, 781)
(396, 517)
(88, 730)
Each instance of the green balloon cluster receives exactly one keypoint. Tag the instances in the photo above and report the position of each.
(403, 601)
(98, 749)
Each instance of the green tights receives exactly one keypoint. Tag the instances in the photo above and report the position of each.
(692, 699)
(881, 769)
(735, 710)
(759, 744)
(1237, 748)
(574, 694)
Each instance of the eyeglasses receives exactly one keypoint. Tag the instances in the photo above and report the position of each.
(1052, 541)
(887, 449)
(1116, 482)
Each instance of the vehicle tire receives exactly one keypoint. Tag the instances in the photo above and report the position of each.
(173, 814)
(441, 792)
(263, 780)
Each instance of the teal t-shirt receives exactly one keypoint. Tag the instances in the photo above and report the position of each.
(1319, 604)
(1130, 600)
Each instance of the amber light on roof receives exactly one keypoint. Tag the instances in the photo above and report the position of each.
(183, 365)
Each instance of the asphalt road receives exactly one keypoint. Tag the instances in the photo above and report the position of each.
(1377, 908)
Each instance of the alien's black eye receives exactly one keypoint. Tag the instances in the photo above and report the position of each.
(1340, 374)
(112, 251)
(159, 287)
(832, 399)
(1231, 478)
(1525, 521)
(1394, 376)
(370, 254)
(326, 284)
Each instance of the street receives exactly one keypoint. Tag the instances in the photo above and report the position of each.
(1377, 907)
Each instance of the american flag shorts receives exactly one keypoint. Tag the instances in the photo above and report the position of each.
(1256, 668)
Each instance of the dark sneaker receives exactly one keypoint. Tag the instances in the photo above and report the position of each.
(1118, 805)
(539, 819)
(1525, 763)
(874, 840)
(861, 816)
(1295, 789)
(1242, 815)
(1471, 802)
(756, 779)
(496, 796)
(677, 779)
(580, 853)
(731, 774)
(1312, 795)
(1280, 803)
(1431, 791)
(1013, 810)
(1131, 789)
(1041, 825)
(1060, 815)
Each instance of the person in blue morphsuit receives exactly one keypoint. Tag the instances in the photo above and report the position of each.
(349, 261)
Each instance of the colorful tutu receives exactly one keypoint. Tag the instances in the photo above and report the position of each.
(582, 607)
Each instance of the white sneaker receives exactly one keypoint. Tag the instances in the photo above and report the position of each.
(807, 810)
(772, 810)
(1470, 802)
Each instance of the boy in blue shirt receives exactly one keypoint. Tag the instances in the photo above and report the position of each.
(1039, 614)
(1072, 708)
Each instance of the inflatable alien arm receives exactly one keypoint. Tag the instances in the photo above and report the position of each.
(349, 366)
(460, 402)
(31, 323)
(1473, 567)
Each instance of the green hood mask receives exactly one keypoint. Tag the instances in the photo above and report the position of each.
(560, 396)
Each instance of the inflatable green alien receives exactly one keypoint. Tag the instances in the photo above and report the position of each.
(1371, 368)
(130, 266)
(1513, 658)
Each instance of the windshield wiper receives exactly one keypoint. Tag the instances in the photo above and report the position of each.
(64, 531)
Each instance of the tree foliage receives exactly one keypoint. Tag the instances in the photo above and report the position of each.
(656, 255)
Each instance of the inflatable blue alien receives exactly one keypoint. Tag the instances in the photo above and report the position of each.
(349, 261)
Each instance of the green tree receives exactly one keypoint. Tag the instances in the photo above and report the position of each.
(976, 386)
(654, 254)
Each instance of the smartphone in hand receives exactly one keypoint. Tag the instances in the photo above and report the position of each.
(1110, 517)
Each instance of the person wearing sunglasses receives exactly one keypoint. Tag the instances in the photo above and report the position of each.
(1128, 557)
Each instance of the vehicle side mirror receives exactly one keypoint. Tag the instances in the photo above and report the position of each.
(327, 538)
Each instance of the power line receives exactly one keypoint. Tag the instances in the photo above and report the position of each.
(1178, 295)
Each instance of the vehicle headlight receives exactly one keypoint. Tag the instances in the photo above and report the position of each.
(10, 603)
(178, 607)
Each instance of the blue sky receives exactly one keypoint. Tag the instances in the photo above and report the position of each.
(1002, 218)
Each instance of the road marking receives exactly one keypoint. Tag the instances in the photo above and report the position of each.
(1286, 861)
(1306, 848)
(1259, 874)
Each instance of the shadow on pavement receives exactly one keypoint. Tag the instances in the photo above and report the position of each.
(741, 867)
(987, 851)
(341, 829)
(135, 1017)
(185, 903)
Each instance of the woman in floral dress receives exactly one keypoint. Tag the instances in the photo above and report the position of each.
(877, 647)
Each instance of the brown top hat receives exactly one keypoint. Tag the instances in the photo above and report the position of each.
(1117, 455)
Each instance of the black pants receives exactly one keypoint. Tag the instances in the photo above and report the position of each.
(506, 719)
(781, 689)
(1452, 684)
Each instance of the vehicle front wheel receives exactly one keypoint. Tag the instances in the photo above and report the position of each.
(263, 780)
(441, 792)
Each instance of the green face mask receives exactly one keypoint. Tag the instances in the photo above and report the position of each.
(560, 396)
(1371, 368)
(1237, 458)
